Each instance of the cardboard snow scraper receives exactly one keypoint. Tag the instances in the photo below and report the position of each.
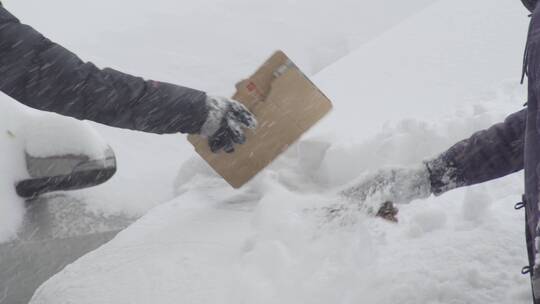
(286, 104)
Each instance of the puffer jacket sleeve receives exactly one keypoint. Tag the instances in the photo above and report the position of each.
(43, 75)
(486, 155)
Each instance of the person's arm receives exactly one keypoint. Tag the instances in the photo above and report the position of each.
(42, 74)
(486, 155)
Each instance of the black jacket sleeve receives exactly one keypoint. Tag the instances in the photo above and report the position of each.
(42, 74)
(486, 155)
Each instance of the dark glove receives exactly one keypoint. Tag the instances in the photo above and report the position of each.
(224, 126)
(388, 212)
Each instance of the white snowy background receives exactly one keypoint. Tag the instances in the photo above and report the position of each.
(408, 79)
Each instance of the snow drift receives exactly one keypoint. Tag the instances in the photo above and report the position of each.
(12, 164)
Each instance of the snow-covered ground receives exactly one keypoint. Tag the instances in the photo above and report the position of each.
(405, 95)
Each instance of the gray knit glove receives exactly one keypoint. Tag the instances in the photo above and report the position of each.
(224, 126)
(378, 192)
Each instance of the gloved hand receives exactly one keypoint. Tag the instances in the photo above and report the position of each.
(224, 126)
(378, 192)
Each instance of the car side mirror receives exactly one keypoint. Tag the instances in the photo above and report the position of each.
(63, 154)
(65, 172)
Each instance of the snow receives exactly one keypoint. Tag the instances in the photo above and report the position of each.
(407, 94)
(210, 44)
(425, 70)
(78, 138)
(12, 164)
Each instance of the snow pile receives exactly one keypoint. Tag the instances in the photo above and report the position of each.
(270, 244)
(13, 167)
(401, 98)
(43, 132)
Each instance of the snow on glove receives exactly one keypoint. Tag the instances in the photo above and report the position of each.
(224, 126)
(378, 191)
